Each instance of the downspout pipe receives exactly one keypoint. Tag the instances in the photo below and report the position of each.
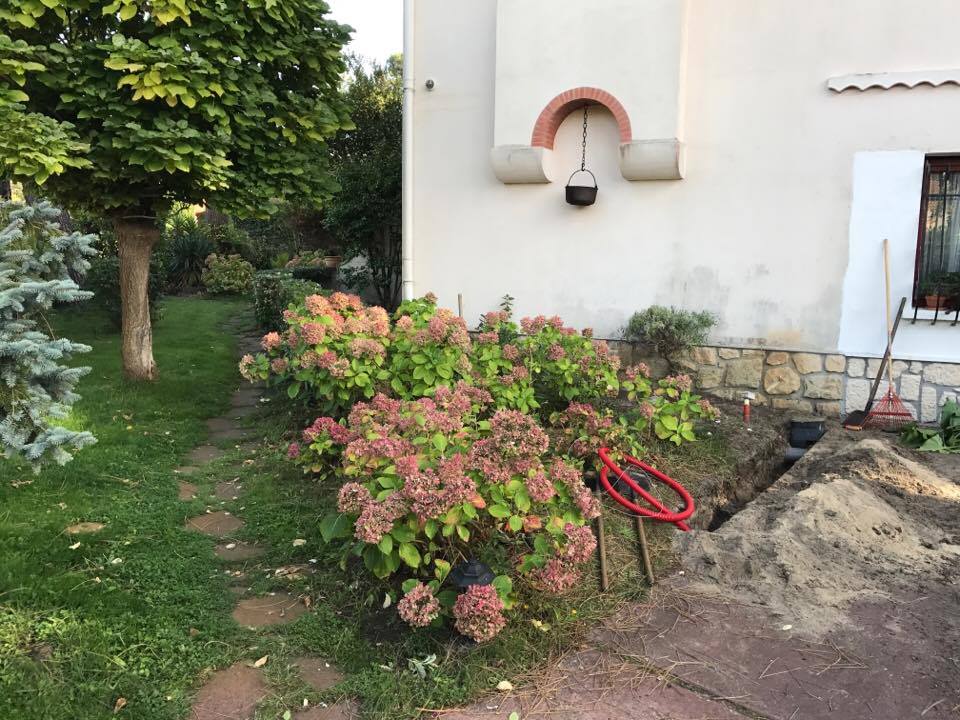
(408, 97)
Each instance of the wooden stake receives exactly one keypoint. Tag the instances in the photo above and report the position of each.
(602, 548)
(460, 304)
(644, 549)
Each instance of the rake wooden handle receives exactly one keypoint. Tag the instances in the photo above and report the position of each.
(886, 306)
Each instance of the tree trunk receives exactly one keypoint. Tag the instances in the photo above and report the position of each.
(135, 240)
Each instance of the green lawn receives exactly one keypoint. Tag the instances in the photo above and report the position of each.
(112, 618)
(141, 610)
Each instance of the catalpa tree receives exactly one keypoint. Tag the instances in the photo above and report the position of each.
(123, 108)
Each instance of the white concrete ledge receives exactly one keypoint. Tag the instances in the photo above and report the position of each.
(517, 164)
(652, 159)
(639, 160)
(885, 81)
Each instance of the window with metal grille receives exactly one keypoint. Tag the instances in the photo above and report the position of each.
(937, 275)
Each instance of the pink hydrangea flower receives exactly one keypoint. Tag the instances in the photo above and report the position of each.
(683, 383)
(271, 340)
(317, 305)
(478, 613)
(511, 353)
(647, 410)
(293, 452)
(709, 410)
(587, 332)
(556, 576)
(353, 497)
(418, 607)
(279, 365)
(556, 352)
(638, 370)
(540, 487)
(488, 338)
(313, 333)
(581, 544)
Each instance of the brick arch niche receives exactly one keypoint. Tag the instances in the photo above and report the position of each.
(557, 110)
(643, 159)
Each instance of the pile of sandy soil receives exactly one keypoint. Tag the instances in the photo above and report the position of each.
(855, 519)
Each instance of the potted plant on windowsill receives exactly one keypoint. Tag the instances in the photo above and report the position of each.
(934, 291)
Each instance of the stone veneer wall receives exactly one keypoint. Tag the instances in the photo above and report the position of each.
(825, 384)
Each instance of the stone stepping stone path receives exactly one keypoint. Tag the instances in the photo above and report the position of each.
(231, 694)
(278, 608)
(238, 551)
(216, 524)
(235, 692)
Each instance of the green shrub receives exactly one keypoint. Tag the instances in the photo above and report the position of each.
(274, 291)
(669, 330)
(228, 239)
(103, 278)
(227, 274)
(187, 246)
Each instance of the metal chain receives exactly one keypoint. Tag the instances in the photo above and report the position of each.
(583, 158)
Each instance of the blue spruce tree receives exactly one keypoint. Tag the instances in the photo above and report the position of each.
(36, 388)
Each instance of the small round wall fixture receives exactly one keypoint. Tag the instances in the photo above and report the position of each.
(582, 195)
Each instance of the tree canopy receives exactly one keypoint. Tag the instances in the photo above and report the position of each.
(129, 105)
(365, 216)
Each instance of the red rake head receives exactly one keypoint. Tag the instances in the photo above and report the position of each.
(889, 413)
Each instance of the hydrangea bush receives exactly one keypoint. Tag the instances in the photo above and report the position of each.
(332, 352)
(437, 434)
(429, 480)
(351, 351)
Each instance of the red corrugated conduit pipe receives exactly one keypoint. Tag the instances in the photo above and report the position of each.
(661, 512)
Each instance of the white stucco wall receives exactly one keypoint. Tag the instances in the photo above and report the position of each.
(763, 226)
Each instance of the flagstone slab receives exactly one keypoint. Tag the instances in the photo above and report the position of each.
(84, 528)
(238, 551)
(344, 710)
(318, 673)
(277, 608)
(203, 454)
(231, 694)
(215, 524)
(186, 491)
(228, 490)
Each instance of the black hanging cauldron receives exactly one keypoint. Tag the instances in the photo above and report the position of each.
(582, 195)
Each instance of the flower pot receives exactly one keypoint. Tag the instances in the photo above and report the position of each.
(582, 195)
(935, 302)
(332, 261)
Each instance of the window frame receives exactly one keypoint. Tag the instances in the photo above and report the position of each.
(946, 162)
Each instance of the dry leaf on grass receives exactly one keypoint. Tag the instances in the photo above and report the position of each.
(261, 662)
